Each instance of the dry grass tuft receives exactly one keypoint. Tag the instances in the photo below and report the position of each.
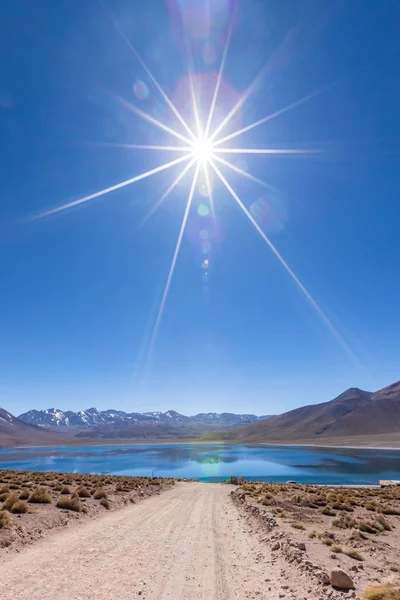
(83, 492)
(336, 549)
(325, 540)
(100, 494)
(104, 502)
(65, 491)
(11, 500)
(328, 511)
(24, 495)
(297, 525)
(19, 508)
(353, 554)
(312, 535)
(5, 520)
(69, 504)
(385, 524)
(389, 510)
(382, 591)
(40, 496)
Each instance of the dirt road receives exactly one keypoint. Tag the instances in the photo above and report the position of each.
(188, 543)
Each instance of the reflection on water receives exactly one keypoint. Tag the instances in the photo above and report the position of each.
(214, 462)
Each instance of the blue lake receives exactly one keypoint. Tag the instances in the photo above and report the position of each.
(213, 462)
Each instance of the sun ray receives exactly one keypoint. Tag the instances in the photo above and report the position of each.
(209, 189)
(151, 119)
(153, 79)
(219, 78)
(263, 151)
(112, 188)
(244, 173)
(174, 259)
(232, 113)
(303, 289)
(141, 146)
(169, 190)
(192, 91)
(265, 119)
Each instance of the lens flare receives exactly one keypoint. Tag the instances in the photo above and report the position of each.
(204, 148)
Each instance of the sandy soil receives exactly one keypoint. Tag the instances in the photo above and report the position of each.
(38, 519)
(338, 528)
(188, 543)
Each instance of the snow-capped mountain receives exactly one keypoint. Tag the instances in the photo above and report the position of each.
(14, 431)
(57, 419)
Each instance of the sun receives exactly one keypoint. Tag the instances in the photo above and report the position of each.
(205, 152)
(203, 149)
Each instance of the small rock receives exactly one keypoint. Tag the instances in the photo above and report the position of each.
(354, 568)
(325, 579)
(301, 546)
(276, 546)
(333, 555)
(339, 578)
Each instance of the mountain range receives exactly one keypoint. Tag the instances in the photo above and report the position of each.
(92, 417)
(354, 417)
(54, 426)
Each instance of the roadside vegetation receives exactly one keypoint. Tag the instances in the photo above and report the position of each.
(46, 500)
(357, 529)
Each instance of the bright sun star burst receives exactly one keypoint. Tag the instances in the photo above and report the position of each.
(204, 153)
(203, 149)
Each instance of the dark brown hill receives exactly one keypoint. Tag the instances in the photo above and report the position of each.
(353, 413)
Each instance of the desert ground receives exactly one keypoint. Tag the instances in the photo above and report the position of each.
(203, 541)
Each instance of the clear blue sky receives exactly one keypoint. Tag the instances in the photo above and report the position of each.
(80, 289)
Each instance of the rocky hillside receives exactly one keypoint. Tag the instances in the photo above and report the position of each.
(353, 413)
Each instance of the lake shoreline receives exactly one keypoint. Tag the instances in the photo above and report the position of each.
(196, 442)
